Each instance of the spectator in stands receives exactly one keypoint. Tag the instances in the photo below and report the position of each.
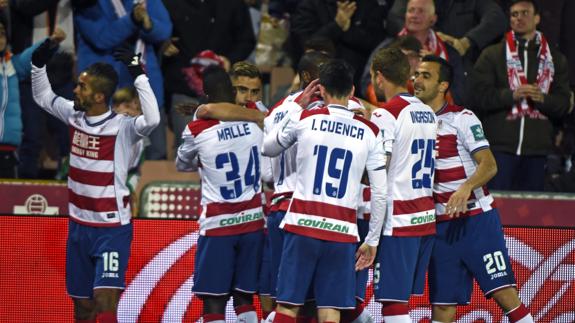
(557, 24)
(355, 27)
(467, 25)
(32, 22)
(108, 25)
(519, 87)
(410, 46)
(222, 26)
(15, 68)
(420, 18)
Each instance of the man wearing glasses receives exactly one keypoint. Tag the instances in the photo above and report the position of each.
(519, 87)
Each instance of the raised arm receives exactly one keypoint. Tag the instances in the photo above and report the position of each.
(282, 136)
(150, 117)
(42, 90)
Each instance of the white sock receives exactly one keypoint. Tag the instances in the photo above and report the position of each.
(397, 319)
(248, 317)
(364, 317)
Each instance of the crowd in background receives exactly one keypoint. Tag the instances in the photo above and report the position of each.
(177, 38)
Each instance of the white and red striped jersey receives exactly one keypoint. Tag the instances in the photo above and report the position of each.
(227, 155)
(410, 130)
(99, 159)
(283, 167)
(459, 136)
(335, 147)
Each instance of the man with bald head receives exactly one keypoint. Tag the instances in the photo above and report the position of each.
(420, 18)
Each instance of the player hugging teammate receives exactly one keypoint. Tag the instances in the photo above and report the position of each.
(340, 179)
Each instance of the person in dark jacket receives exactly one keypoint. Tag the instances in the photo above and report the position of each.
(109, 24)
(14, 68)
(355, 27)
(222, 26)
(467, 25)
(519, 87)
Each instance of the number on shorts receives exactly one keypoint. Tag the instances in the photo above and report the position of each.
(376, 273)
(111, 261)
(494, 259)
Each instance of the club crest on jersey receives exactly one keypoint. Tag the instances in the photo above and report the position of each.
(477, 132)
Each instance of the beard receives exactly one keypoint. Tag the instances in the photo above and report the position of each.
(379, 95)
(78, 106)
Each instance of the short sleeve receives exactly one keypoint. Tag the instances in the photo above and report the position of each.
(471, 132)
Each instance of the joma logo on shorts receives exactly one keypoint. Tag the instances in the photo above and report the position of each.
(423, 219)
(323, 225)
(241, 219)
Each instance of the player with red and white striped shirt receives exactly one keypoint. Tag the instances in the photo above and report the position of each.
(227, 156)
(335, 147)
(469, 242)
(409, 128)
(100, 230)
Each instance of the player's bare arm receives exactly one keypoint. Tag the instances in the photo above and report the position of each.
(486, 169)
(224, 111)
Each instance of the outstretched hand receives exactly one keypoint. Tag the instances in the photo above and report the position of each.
(42, 54)
(126, 55)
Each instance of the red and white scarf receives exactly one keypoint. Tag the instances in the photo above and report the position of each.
(433, 43)
(517, 76)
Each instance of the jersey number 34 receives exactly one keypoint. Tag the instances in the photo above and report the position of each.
(251, 173)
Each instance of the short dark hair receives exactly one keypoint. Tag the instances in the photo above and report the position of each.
(103, 79)
(310, 63)
(535, 4)
(407, 42)
(445, 69)
(392, 64)
(245, 68)
(218, 85)
(336, 76)
(320, 44)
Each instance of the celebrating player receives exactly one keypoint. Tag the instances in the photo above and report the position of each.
(409, 132)
(469, 242)
(231, 224)
(335, 147)
(100, 230)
